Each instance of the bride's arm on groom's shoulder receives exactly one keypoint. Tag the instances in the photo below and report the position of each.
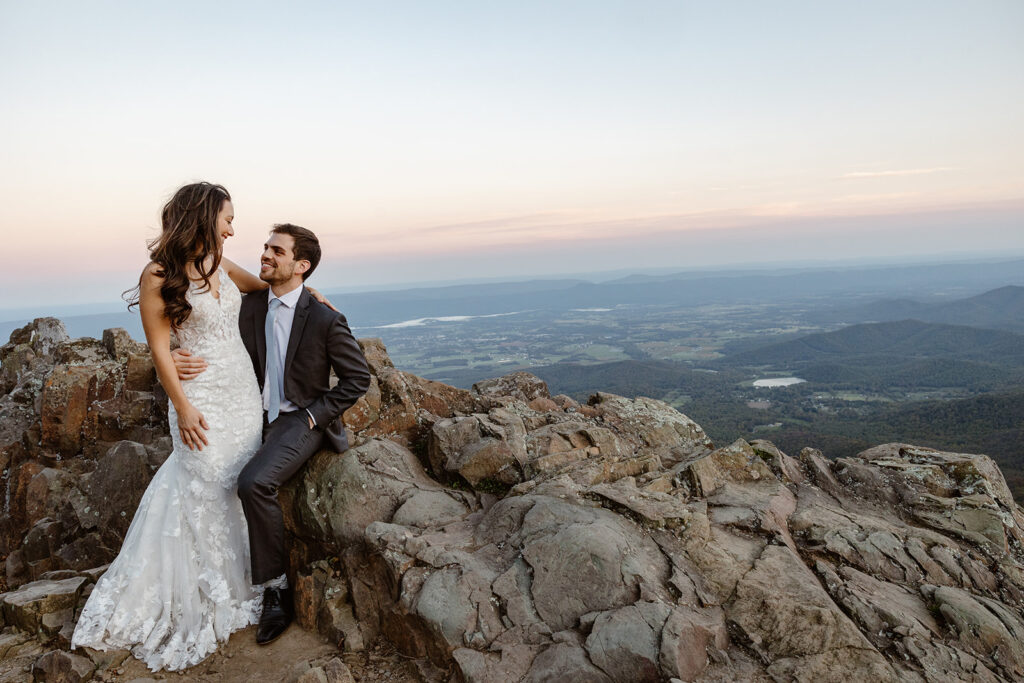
(157, 327)
(247, 282)
(243, 279)
(321, 298)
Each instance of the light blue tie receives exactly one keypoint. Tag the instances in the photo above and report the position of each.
(274, 378)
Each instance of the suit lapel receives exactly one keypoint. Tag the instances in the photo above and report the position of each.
(259, 323)
(298, 323)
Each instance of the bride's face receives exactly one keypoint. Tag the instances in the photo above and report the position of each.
(224, 220)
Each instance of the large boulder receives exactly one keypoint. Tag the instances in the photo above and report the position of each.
(338, 495)
(654, 426)
(632, 549)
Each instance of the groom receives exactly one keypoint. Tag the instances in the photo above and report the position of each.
(294, 342)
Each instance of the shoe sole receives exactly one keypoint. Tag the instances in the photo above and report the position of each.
(268, 642)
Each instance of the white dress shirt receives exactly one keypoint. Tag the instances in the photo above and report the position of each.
(282, 331)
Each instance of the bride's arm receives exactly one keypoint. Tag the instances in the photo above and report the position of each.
(243, 279)
(157, 327)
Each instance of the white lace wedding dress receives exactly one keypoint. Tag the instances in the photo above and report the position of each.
(181, 581)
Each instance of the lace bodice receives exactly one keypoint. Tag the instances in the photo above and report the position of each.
(212, 327)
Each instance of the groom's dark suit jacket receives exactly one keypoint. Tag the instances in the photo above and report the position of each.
(319, 342)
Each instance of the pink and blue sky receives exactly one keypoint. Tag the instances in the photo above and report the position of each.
(440, 140)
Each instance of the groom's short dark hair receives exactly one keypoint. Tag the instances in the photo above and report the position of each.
(307, 246)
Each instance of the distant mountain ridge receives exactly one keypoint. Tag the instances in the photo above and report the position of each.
(689, 289)
(903, 339)
(1001, 309)
(818, 286)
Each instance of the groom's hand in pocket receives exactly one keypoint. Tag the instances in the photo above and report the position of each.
(187, 365)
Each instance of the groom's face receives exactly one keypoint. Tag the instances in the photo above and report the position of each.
(278, 264)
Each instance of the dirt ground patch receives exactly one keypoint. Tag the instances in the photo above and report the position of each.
(284, 660)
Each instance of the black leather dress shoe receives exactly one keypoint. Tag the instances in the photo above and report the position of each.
(277, 614)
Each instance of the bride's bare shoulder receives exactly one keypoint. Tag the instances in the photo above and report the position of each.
(152, 275)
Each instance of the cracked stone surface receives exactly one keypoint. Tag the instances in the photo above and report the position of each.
(632, 549)
(505, 534)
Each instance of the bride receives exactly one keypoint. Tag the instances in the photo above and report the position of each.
(181, 581)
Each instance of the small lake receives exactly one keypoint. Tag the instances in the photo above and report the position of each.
(778, 382)
(419, 322)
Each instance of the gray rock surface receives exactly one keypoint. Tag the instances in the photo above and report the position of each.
(520, 385)
(62, 667)
(26, 607)
(633, 549)
(504, 534)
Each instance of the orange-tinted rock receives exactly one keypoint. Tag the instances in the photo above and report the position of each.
(410, 404)
(397, 413)
(18, 484)
(65, 407)
(120, 345)
(543, 404)
(45, 494)
(366, 410)
(309, 595)
(322, 605)
(140, 375)
(376, 354)
(565, 402)
(438, 398)
(131, 416)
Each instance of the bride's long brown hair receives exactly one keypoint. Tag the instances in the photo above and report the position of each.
(188, 237)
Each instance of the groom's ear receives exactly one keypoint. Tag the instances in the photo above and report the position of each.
(302, 266)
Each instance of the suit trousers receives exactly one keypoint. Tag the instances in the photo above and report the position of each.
(288, 443)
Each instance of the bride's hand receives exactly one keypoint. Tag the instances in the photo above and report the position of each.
(192, 427)
(322, 299)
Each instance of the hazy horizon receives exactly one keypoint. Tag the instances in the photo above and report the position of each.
(63, 309)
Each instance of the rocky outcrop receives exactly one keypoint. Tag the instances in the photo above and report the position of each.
(504, 534)
(621, 545)
(83, 428)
